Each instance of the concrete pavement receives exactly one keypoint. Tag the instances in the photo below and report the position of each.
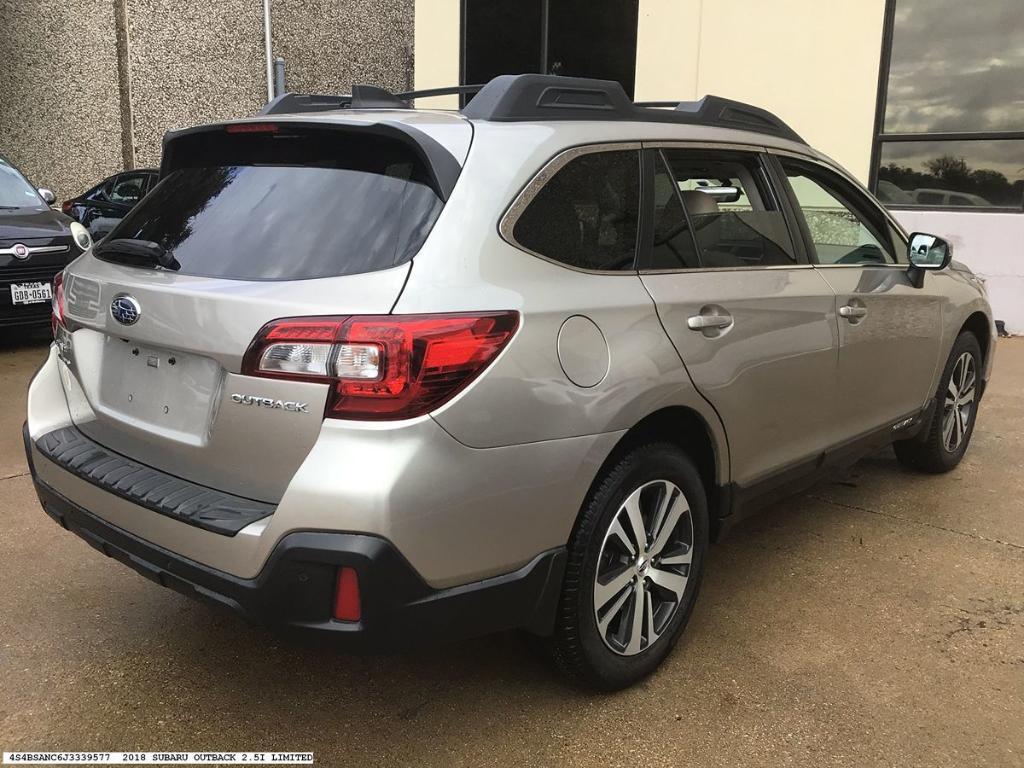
(876, 620)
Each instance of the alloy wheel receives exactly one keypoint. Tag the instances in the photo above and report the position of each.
(643, 567)
(959, 403)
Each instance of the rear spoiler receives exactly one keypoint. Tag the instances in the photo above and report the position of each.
(442, 165)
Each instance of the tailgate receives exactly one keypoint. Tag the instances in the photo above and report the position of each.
(166, 391)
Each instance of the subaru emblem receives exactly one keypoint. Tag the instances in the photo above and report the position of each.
(125, 309)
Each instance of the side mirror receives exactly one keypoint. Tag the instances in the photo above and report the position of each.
(926, 253)
(48, 197)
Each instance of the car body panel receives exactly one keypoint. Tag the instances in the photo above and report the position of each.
(180, 417)
(771, 375)
(448, 508)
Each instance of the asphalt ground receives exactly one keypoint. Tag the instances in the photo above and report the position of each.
(876, 620)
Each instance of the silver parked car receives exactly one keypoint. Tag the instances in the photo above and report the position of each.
(393, 375)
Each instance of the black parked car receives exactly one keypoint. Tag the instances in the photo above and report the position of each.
(104, 205)
(36, 242)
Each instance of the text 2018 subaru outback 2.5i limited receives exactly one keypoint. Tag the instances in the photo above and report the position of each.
(388, 374)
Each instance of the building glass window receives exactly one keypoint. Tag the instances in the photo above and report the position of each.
(949, 128)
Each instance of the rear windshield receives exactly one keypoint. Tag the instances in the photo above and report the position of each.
(286, 206)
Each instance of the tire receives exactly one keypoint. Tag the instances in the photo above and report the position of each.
(613, 656)
(942, 447)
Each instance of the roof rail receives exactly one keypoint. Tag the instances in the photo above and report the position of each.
(511, 98)
(549, 97)
(362, 97)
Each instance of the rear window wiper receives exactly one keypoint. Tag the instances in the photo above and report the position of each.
(141, 253)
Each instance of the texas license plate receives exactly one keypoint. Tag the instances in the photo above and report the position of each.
(30, 293)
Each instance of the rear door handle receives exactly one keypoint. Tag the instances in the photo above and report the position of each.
(713, 320)
(700, 322)
(852, 312)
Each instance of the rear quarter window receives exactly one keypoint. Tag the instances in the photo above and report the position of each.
(300, 205)
(587, 214)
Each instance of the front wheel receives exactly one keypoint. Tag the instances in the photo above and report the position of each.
(942, 447)
(635, 564)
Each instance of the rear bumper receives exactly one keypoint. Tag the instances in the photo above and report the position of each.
(295, 588)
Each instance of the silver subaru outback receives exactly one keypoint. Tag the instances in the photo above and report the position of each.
(390, 375)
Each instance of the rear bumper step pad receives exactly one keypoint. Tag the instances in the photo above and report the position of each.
(197, 505)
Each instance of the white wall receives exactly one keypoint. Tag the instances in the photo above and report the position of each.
(992, 244)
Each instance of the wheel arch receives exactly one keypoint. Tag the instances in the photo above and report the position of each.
(978, 324)
(688, 430)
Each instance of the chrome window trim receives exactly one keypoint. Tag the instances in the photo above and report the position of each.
(688, 270)
(547, 171)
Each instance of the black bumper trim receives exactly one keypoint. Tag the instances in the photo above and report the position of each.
(189, 502)
(295, 588)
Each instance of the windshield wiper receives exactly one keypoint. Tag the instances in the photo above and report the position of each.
(10, 207)
(139, 252)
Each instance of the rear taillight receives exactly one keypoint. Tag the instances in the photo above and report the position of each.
(381, 367)
(57, 303)
(66, 207)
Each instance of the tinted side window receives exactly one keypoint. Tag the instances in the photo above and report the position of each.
(722, 202)
(587, 215)
(843, 229)
(128, 188)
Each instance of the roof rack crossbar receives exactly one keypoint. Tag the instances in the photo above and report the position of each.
(454, 90)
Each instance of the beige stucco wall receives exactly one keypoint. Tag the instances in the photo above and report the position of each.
(812, 62)
(59, 116)
(437, 49)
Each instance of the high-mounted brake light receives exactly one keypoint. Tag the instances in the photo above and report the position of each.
(252, 128)
(57, 303)
(381, 367)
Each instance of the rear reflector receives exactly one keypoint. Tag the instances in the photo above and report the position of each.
(382, 367)
(347, 605)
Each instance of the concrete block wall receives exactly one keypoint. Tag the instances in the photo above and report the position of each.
(89, 87)
(60, 119)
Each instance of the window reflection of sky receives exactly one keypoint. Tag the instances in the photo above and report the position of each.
(956, 66)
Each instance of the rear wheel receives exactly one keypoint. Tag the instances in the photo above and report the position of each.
(943, 446)
(634, 569)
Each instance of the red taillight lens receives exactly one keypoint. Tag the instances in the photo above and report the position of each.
(382, 367)
(57, 303)
(66, 207)
(347, 603)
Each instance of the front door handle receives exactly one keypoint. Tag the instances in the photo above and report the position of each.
(853, 312)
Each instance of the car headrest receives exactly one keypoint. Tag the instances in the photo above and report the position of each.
(698, 204)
